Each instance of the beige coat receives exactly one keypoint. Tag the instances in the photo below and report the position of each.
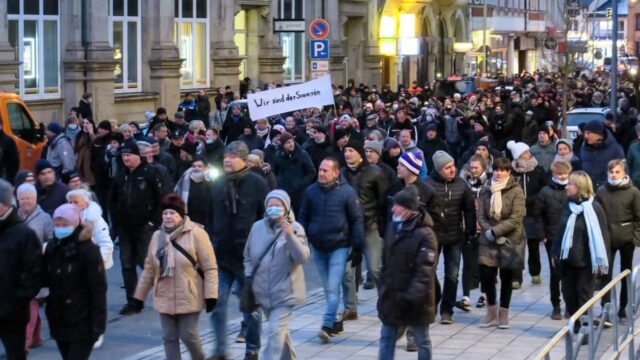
(185, 291)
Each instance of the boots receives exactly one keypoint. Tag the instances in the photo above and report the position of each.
(491, 318)
(503, 318)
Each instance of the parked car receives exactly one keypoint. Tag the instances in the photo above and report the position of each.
(19, 124)
(583, 115)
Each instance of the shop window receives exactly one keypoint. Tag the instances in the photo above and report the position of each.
(293, 44)
(124, 37)
(191, 35)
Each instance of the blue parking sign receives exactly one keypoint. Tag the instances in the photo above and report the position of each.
(319, 49)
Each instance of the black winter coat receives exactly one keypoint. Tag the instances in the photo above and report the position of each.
(238, 202)
(406, 288)
(459, 207)
(317, 152)
(232, 129)
(136, 196)
(621, 204)
(9, 159)
(579, 255)
(21, 268)
(370, 184)
(77, 302)
(532, 182)
(214, 153)
(548, 209)
(429, 147)
(294, 172)
(332, 216)
(51, 197)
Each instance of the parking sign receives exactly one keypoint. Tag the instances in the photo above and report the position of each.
(319, 49)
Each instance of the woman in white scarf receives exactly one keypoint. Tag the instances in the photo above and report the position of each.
(580, 248)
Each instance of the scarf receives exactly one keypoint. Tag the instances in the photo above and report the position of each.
(568, 158)
(597, 250)
(621, 182)
(524, 166)
(232, 192)
(262, 133)
(496, 198)
(166, 253)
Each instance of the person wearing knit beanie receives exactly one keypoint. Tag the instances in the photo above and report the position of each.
(596, 127)
(407, 198)
(517, 148)
(441, 159)
(237, 148)
(70, 214)
(374, 146)
(43, 164)
(175, 203)
(358, 147)
(105, 125)
(412, 160)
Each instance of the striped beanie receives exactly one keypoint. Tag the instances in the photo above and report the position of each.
(412, 160)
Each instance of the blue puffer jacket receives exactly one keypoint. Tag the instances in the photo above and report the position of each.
(594, 158)
(332, 216)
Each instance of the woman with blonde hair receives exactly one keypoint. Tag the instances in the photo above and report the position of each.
(580, 248)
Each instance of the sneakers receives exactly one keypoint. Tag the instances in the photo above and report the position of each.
(324, 334)
(556, 314)
(482, 302)
(348, 315)
(515, 285)
(337, 329)
(491, 318)
(464, 305)
(98, 343)
(411, 344)
(240, 338)
(251, 355)
(369, 284)
(622, 315)
(131, 308)
(446, 319)
(503, 318)
(536, 280)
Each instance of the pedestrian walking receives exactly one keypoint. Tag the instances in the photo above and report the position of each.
(74, 272)
(181, 267)
(406, 294)
(620, 200)
(331, 214)
(581, 247)
(273, 257)
(599, 147)
(237, 198)
(60, 151)
(51, 192)
(501, 209)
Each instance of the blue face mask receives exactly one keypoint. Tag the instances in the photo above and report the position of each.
(274, 212)
(72, 126)
(209, 141)
(397, 218)
(63, 232)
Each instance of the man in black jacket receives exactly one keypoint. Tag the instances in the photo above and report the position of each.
(237, 199)
(9, 159)
(21, 269)
(458, 209)
(135, 211)
(369, 182)
(332, 217)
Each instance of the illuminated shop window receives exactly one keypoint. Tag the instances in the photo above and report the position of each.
(124, 37)
(191, 35)
(293, 44)
(240, 39)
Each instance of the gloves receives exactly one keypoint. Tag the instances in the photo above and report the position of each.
(355, 257)
(210, 304)
(138, 305)
(490, 235)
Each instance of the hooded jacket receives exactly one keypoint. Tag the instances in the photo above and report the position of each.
(77, 302)
(594, 158)
(100, 235)
(279, 279)
(186, 290)
(621, 205)
(61, 154)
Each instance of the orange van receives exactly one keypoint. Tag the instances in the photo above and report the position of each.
(19, 124)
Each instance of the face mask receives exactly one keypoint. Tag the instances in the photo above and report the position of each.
(615, 182)
(394, 107)
(209, 141)
(73, 126)
(289, 126)
(397, 218)
(63, 232)
(197, 176)
(274, 212)
(560, 182)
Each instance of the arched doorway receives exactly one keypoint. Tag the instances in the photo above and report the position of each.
(424, 68)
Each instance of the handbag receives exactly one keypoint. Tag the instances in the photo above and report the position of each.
(247, 297)
(186, 254)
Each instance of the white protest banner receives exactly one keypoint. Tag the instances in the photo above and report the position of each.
(314, 93)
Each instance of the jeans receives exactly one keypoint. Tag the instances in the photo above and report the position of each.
(452, 254)
(181, 327)
(554, 278)
(388, 341)
(331, 267)
(219, 317)
(488, 277)
(133, 251)
(77, 350)
(626, 263)
(578, 285)
(279, 344)
(373, 257)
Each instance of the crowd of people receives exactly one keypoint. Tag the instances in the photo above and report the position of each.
(376, 190)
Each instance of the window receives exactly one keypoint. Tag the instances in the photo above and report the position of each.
(637, 21)
(124, 37)
(21, 124)
(293, 44)
(34, 33)
(191, 35)
(240, 39)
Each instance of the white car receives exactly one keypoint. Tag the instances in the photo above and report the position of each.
(578, 116)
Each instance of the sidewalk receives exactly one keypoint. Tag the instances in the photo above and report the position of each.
(530, 330)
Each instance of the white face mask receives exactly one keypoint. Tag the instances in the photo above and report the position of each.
(615, 182)
(560, 182)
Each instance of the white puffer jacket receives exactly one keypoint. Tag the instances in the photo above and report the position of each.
(100, 236)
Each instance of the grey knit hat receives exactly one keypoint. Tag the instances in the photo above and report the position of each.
(284, 199)
(441, 159)
(239, 149)
(374, 145)
(6, 193)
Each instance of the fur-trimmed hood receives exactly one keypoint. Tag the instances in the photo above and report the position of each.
(92, 212)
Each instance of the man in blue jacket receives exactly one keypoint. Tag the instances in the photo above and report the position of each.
(331, 214)
(598, 149)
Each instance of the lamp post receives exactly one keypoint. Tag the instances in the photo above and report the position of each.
(613, 103)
